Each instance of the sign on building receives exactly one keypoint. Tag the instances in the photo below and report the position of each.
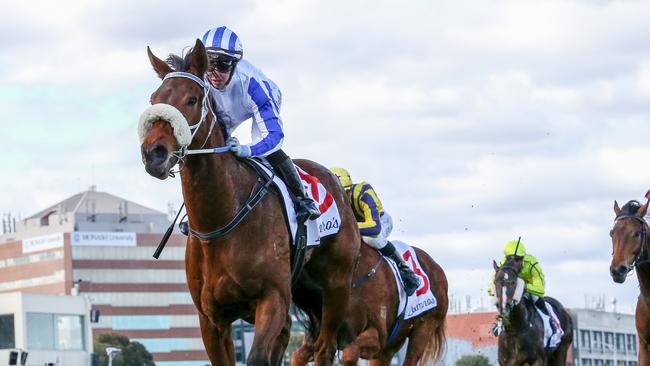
(109, 238)
(42, 242)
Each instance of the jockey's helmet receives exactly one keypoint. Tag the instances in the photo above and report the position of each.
(514, 247)
(224, 48)
(344, 177)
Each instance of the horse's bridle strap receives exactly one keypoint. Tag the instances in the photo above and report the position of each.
(239, 216)
(643, 239)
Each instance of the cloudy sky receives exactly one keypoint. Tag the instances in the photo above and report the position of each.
(475, 123)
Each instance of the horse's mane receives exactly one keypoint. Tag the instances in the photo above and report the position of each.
(179, 63)
(630, 208)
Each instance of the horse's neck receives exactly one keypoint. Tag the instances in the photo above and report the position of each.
(214, 188)
(518, 317)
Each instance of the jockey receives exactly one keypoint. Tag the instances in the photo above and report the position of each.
(375, 225)
(241, 91)
(531, 272)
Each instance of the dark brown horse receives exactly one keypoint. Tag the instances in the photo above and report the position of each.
(373, 311)
(245, 274)
(630, 251)
(522, 339)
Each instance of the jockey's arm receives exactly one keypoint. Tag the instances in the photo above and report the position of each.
(370, 226)
(535, 285)
(267, 119)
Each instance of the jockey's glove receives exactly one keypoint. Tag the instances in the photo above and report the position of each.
(243, 151)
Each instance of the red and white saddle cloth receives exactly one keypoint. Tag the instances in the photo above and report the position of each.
(329, 221)
(423, 298)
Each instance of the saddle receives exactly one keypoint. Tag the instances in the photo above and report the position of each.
(553, 331)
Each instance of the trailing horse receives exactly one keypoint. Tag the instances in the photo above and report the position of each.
(522, 340)
(630, 251)
(246, 273)
(373, 311)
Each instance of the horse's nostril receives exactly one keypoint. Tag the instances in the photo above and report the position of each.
(619, 271)
(157, 155)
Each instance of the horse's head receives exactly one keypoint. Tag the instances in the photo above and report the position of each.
(177, 112)
(628, 238)
(508, 287)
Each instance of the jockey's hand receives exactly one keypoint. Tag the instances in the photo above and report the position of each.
(243, 151)
(232, 141)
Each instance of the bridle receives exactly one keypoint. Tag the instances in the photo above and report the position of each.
(206, 107)
(643, 236)
(515, 274)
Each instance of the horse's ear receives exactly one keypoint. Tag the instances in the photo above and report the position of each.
(642, 210)
(617, 210)
(159, 66)
(495, 265)
(198, 58)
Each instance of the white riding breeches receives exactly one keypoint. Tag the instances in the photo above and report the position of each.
(381, 240)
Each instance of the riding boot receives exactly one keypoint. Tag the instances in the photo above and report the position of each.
(410, 281)
(305, 207)
(541, 305)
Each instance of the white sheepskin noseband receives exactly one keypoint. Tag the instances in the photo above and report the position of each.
(167, 113)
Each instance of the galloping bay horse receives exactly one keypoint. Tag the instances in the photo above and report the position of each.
(373, 313)
(244, 274)
(630, 251)
(522, 339)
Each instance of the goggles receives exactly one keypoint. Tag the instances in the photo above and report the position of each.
(221, 64)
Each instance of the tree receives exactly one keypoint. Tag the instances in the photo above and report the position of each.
(473, 360)
(133, 353)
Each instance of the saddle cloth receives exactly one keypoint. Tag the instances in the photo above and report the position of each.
(551, 339)
(423, 298)
(326, 225)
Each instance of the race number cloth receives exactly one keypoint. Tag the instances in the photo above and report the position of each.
(551, 339)
(329, 221)
(422, 299)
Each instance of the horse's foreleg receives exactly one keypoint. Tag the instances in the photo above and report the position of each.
(335, 304)
(351, 355)
(270, 319)
(217, 341)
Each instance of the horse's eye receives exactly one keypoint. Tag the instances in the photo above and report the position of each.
(637, 234)
(611, 233)
(192, 101)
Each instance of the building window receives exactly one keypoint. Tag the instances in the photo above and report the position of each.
(631, 344)
(620, 342)
(598, 362)
(585, 361)
(40, 331)
(585, 340)
(7, 332)
(50, 331)
(631, 363)
(609, 342)
(597, 344)
(70, 332)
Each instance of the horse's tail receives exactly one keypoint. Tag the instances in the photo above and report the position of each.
(434, 348)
